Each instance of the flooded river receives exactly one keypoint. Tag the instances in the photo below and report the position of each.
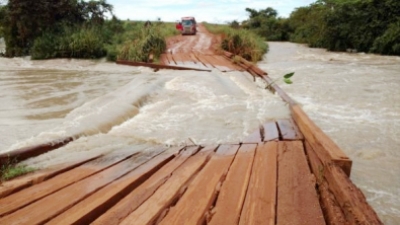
(354, 98)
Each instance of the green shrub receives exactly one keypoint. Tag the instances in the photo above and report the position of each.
(151, 41)
(389, 42)
(240, 42)
(83, 42)
(141, 41)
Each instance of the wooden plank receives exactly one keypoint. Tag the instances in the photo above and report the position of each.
(18, 155)
(253, 138)
(25, 197)
(132, 201)
(158, 66)
(331, 208)
(169, 192)
(325, 148)
(231, 197)
(178, 58)
(170, 59)
(204, 60)
(297, 201)
(221, 63)
(47, 208)
(206, 185)
(17, 184)
(197, 59)
(259, 206)
(270, 131)
(337, 191)
(214, 63)
(288, 130)
(96, 204)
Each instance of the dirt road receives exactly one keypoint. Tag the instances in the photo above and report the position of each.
(203, 42)
(197, 51)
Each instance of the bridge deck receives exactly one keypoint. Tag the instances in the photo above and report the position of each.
(222, 184)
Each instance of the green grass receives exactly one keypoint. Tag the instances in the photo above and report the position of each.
(127, 40)
(9, 171)
(240, 42)
(141, 41)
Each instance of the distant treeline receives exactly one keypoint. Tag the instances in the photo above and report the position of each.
(371, 26)
(77, 29)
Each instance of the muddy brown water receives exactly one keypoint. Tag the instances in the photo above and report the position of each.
(354, 98)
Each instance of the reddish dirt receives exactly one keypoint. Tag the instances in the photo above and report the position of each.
(203, 42)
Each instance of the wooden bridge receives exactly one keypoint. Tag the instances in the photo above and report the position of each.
(286, 172)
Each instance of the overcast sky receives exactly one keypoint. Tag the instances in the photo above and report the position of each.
(215, 11)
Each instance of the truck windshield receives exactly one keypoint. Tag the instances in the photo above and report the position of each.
(187, 22)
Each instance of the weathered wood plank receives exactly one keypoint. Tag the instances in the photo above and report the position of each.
(178, 58)
(253, 138)
(342, 201)
(205, 61)
(25, 197)
(259, 206)
(169, 192)
(17, 184)
(206, 185)
(324, 147)
(288, 130)
(134, 199)
(233, 191)
(332, 211)
(270, 131)
(96, 204)
(158, 66)
(298, 201)
(170, 59)
(50, 206)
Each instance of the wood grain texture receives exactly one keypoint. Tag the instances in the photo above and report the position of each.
(52, 205)
(19, 183)
(169, 192)
(25, 197)
(331, 208)
(260, 202)
(133, 200)
(233, 191)
(324, 147)
(297, 201)
(87, 210)
(203, 189)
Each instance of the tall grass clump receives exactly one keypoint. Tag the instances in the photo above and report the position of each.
(240, 42)
(79, 42)
(114, 39)
(145, 41)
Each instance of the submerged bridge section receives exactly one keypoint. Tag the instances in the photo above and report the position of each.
(286, 172)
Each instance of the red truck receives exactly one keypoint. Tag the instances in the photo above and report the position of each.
(189, 25)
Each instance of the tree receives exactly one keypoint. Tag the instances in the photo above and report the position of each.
(25, 20)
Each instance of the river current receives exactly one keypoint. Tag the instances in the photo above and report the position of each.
(354, 98)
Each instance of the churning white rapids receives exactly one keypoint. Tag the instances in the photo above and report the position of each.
(112, 107)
